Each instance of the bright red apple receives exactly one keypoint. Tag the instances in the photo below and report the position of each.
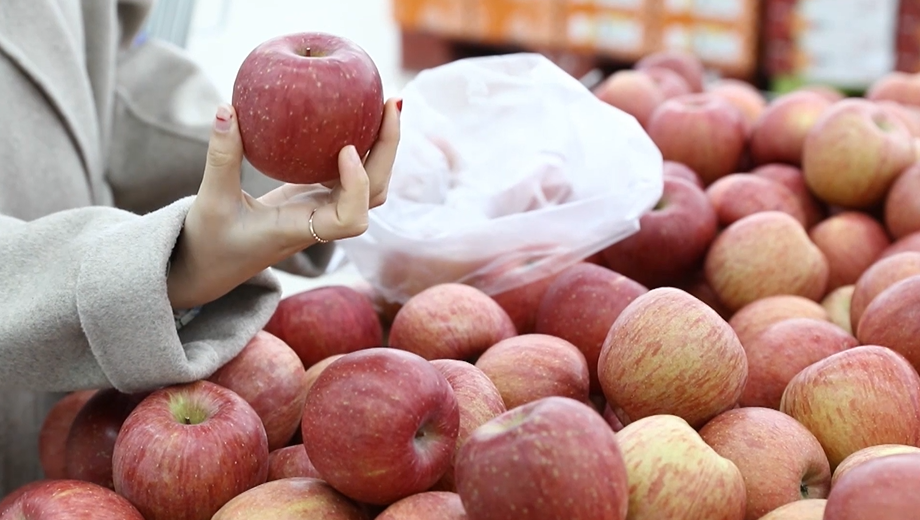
(68, 500)
(52, 437)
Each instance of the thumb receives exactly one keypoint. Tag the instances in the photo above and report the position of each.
(225, 157)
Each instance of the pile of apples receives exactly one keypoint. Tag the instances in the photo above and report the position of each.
(752, 352)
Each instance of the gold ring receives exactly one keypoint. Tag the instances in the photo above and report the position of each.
(312, 232)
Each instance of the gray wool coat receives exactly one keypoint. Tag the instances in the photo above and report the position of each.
(102, 145)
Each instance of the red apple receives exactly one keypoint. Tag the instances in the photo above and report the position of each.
(851, 242)
(301, 98)
(68, 500)
(7, 501)
(683, 222)
(837, 397)
(765, 254)
(743, 95)
(269, 375)
(633, 92)
(440, 505)
(522, 464)
(681, 171)
(291, 499)
(738, 195)
(778, 135)
(837, 305)
(908, 115)
(780, 460)
(891, 320)
(881, 489)
(906, 243)
(92, 436)
(533, 366)
(326, 321)
(687, 64)
(879, 276)
(780, 352)
(759, 315)
(671, 83)
(522, 302)
(52, 437)
(703, 131)
(809, 509)
(791, 177)
(854, 152)
(902, 206)
(867, 454)
(669, 353)
(187, 449)
(900, 87)
(290, 462)
(478, 400)
(674, 474)
(381, 424)
(581, 305)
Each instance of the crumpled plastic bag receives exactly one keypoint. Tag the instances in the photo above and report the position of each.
(508, 170)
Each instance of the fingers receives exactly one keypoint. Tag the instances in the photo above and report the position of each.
(347, 216)
(221, 181)
(379, 164)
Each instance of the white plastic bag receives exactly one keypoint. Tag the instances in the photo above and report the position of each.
(508, 170)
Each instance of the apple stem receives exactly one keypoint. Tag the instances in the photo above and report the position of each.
(803, 490)
(188, 420)
(308, 52)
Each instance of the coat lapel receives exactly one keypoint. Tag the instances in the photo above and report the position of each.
(34, 35)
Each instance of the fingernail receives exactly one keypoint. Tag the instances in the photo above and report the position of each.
(223, 119)
(353, 156)
(399, 105)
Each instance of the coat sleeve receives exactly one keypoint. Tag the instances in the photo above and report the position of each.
(85, 304)
(163, 111)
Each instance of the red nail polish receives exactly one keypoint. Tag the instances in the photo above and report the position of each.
(222, 119)
(399, 105)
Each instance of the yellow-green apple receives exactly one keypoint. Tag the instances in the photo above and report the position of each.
(837, 397)
(671, 83)
(478, 400)
(906, 243)
(891, 320)
(784, 349)
(898, 86)
(431, 505)
(808, 509)
(313, 372)
(867, 454)
(703, 131)
(673, 473)
(300, 99)
(680, 171)
(522, 302)
(522, 464)
(581, 305)
(780, 460)
(295, 498)
(738, 195)
(879, 276)
(851, 242)
(269, 375)
(902, 206)
(759, 315)
(694, 367)
(381, 424)
(52, 436)
(778, 135)
(908, 115)
(685, 63)
(91, 439)
(633, 92)
(884, 488)
(325, 321)
(854, 152)
(450, 321)
(533, 366)
(683, 222)
(289, 462)
(696, 285)
(62, 499)
(187, 449)
(765, 254)
(791, 177)
(837, 305)
(742, 94)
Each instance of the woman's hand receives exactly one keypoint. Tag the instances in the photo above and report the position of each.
(229, 236)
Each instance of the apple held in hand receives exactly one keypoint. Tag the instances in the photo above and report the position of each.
(673, 473)
(300, 99)
(68, 500)
(669, 353)
(522, 464)
(780, 460)
(381, 424)
(440, 505)
(52, 437)
(291, 499)
(881, 489)
(187, 449)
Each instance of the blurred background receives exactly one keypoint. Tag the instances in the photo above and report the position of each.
(775, 44)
